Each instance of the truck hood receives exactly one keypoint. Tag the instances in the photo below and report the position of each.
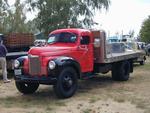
(51, 50)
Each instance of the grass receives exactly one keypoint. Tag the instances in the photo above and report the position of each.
(31, 112)
(49, 108)
(60, 103)
(87, 111)
(120, 100)
(31, 102)
(93, 99)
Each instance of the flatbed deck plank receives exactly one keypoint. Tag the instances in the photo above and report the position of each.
(115, 57)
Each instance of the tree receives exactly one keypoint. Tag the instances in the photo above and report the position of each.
(3, 14)
(17, 18)
(13, 18)
(54, 14)
(145, 31)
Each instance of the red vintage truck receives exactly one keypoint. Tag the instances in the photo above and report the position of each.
(69, 55)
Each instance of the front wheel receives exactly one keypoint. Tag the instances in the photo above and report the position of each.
(67, 83)
(26, 88)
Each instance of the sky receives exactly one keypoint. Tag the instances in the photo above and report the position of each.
(123, 16)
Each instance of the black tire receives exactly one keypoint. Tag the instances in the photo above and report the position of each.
(26, 88)
(67, 83)
(105, 72)
(142, 62)
(121, 71)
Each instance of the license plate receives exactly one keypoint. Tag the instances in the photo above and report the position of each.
(18, 72)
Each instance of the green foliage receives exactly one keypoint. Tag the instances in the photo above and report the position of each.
(13, 18)
(145, 31)
(3, 13)
(54, 14)
(18, 18)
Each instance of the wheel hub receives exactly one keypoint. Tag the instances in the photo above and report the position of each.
(68, 81)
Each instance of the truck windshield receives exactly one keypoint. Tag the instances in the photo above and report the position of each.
(63, 37)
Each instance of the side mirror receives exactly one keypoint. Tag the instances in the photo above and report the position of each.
(97, 42)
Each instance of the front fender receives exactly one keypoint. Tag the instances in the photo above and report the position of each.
(63, 61)
(21, 60)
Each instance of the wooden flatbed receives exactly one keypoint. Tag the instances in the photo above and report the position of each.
(115, 57)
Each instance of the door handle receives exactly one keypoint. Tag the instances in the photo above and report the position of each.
(83, 47)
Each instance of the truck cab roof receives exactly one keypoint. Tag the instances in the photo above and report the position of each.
(74, 30)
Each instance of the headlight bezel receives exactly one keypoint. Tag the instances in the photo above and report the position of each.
(51, 64)
(16, 63)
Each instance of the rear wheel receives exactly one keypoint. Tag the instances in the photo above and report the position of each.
(26, 88)
(67, 83)
(142, 62)
(121, 71)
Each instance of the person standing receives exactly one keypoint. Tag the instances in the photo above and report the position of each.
(3, 52)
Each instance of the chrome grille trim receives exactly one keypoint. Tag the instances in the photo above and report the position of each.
(34, 65)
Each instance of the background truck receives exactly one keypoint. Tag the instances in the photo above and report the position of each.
(15, 42)
(17, 45)
(71, 54)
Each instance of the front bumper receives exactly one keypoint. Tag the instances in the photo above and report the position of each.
(36, 79)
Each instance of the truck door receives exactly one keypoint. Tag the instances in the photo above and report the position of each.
(86, 53)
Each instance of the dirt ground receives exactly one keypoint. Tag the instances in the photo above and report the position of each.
(97, 95)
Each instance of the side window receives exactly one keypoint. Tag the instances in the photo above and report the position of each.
(85, 40)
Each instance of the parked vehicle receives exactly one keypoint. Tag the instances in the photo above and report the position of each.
(39, 42)
(17, 45)
(15, 42)
(147, 48)
(71, 54)
(113, 39)
(138, 46)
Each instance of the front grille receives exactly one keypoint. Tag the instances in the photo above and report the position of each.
(34, 65)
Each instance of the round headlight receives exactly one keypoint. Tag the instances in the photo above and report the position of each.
(51, 64)
(16, 63)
